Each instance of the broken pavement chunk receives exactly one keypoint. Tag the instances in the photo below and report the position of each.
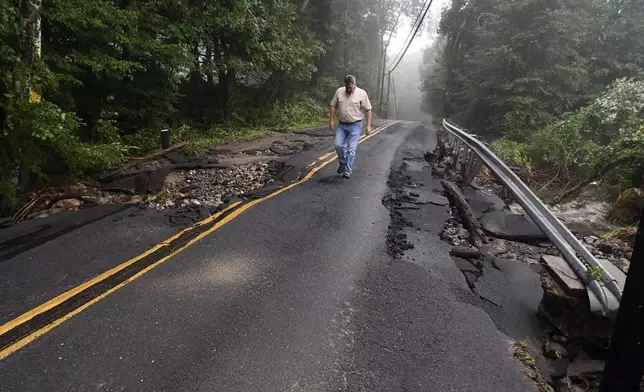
(563, 274)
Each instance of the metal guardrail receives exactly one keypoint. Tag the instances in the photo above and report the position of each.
(472, 153)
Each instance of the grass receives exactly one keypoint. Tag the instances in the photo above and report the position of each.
(521, 351)
(197, 142)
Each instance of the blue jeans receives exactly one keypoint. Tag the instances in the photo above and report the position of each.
(347, 134)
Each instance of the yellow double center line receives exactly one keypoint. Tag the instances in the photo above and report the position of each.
(227, 215)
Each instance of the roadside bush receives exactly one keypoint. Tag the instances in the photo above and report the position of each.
(604, 139)
(511, 152)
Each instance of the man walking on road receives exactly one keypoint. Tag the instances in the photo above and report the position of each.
(350, 103)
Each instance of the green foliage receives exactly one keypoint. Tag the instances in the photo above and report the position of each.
(596, 273)
(113, 73)
(534, 74)
(512, 152)
(603, 138)
(514, 67)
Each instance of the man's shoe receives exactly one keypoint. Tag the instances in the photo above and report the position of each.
(340, 169)
(346, 175)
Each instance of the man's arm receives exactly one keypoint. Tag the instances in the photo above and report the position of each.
(332, 117)
(367, 108)
(334, 108)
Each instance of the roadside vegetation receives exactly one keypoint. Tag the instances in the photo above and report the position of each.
(556, 86)
(86, 84)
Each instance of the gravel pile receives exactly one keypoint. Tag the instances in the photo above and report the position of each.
(210, 187)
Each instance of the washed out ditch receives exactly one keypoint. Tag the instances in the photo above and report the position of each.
(561, 343)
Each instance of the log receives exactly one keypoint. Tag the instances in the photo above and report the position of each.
(125, 171)
(466, 253)
(455, 196)
(120, 174)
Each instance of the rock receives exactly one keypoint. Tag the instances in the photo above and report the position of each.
(554, 350)
(90, 199)
(136, 199)
(48, 213)
(605, 247)
(585, 367)
(552, 252)
(67, 204)
(590, 239)
(559, 339)
(462, 234)
(559, 368)
(628, 206)
(414, 194)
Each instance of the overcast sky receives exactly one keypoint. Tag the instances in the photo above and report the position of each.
(422, 40)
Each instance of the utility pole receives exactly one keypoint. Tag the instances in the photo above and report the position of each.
(382, 80)
(388, 86)
(393, 90)
(625, 365)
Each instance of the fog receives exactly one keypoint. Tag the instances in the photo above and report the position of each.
(405, 91)
(405, 94)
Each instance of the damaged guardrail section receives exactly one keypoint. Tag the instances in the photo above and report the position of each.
(472, 154)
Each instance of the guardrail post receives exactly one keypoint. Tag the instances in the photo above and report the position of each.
(625, 365)
(472, 172)
(466, 160)
(458, 151)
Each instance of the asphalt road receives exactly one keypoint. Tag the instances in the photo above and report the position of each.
(296, 294)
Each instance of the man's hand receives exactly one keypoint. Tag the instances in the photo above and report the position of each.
(331, 125)
(368, 130)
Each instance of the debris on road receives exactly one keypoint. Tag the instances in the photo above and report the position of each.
(169, 179)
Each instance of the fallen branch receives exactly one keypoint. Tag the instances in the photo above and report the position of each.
(600, 172)
(157, 154)
(455, 196)
(20, 215)
(551, 181)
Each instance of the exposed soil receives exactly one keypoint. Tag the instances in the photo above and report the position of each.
(170, 180)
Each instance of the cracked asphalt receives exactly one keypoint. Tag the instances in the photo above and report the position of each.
(297, 294)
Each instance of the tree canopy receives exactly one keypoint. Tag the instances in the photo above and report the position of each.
(560, 78)
(104, 76)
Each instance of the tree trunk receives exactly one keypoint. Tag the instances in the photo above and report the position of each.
(31, 42)
(208, 66)
(30, 50)
(455, 196)
(226, 82)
